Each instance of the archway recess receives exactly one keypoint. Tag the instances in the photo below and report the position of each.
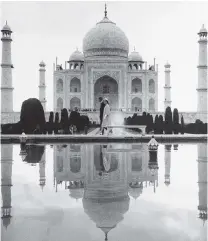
(106, 87)
(136, 104)
(75, 102)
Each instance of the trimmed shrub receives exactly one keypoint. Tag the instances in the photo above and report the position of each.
(160, 124)
(168, 121)
(50, 123)
(32, 116)
(176, 125)
(182, 130)
(56, 124)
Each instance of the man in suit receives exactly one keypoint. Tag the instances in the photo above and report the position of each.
(102, 106)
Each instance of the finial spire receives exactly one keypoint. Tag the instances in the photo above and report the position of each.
(6, 22)
(134, 49)
(105, 10)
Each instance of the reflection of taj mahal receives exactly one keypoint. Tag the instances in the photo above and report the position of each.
(106, 69)
(104, 177)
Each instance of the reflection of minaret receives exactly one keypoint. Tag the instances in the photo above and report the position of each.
(6, 182)
(202, 180)
(167, 164)
(42, 172)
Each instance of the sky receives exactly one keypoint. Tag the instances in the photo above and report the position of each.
(166, 31)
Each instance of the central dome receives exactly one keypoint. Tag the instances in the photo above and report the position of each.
(106, 39)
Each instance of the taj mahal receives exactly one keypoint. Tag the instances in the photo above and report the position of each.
(105, 68)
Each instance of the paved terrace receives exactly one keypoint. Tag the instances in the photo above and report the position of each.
(93, 138)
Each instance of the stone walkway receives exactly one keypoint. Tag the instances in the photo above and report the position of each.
(100, 138)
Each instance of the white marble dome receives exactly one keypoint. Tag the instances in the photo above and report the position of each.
(76, 56)
(106, 36)
(135, 57)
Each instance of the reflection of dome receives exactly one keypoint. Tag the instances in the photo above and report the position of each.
(6, 221)
(135, 57)
(106, 36)
(76, 56)
(135, 192)
(76, 193)
(106, 214)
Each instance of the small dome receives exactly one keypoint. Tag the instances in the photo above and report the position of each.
(167, 65)
(6, 28)
(135, 192)
(203, 29)
(135, 57)
(42, 64)
(77, 193)
(76, 56)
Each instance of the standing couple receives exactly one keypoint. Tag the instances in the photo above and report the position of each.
(104, 115)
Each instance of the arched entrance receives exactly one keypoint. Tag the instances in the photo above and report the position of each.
(136, 104)
(75, 102)
(106, 87)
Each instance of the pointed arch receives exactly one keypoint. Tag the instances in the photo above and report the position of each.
(107, 87)
(75, 163)
(136, 104)
(136, 85)
(151, 104)
(59, 86)
(75, 85)
(59, 103)
(75, 102)
(136, 162)
(151, 86)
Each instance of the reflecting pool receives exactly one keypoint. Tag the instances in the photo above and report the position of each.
(96, 192)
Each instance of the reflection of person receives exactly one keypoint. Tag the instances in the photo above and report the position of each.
(106, 116)
(105, 164)
(102, 106)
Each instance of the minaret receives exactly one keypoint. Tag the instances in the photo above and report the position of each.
(202, 76)
(42, 86)
(6, 75)
(6, 182)
(202, 180)
(167, 87)
(42, 180)
(167, 164)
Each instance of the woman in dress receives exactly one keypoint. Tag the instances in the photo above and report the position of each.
(106, 117)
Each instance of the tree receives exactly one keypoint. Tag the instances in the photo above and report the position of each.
(56, 125)
(156, 125)
(160, 124)
(50, 123)
(32, 116)
(175, 121)
(168, 121)
(64, 121)
(182, 125)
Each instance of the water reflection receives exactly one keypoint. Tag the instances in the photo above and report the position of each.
(6, 182)
(202, 181)
(103, 176)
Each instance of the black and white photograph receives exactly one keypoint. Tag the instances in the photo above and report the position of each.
(104, 120)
